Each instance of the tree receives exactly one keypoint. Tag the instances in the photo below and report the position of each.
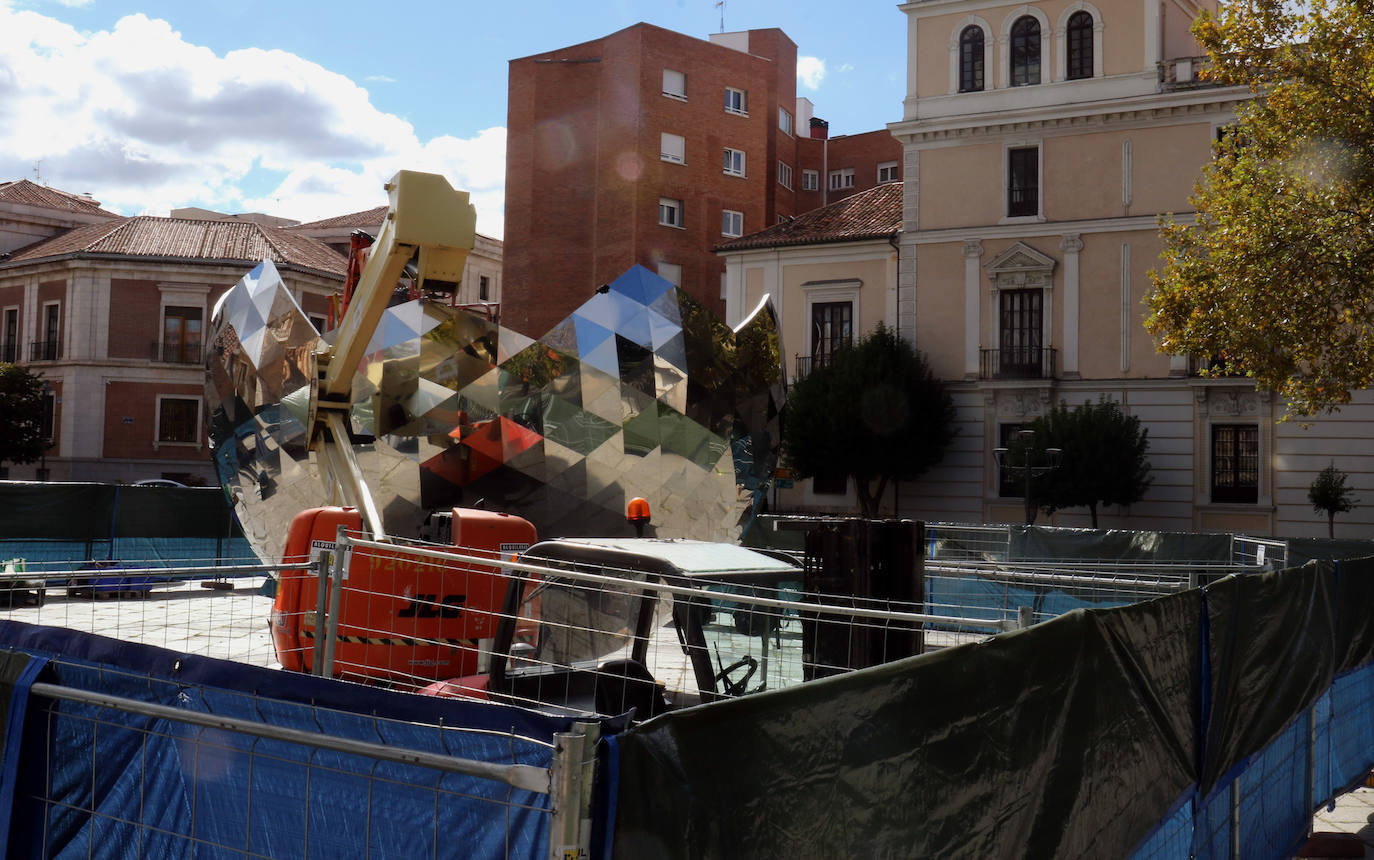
(874, 412)
(1329, 494)
(1103, 462)
(1277, 276)
(21, 415)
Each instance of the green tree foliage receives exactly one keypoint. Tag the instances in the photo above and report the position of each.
(1104, 459)
(1329, 495)
(1277, 276)
(875, 413)
(21, 415)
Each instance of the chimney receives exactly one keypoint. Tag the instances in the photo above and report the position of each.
(820, 129)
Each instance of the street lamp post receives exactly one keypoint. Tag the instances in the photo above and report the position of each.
(1028, 468)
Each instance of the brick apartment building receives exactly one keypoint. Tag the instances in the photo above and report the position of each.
(110, 311)
(652, 147)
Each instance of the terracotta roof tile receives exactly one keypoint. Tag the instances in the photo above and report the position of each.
(368, 218)
(32, 194)
(149, 236)
(872, 214)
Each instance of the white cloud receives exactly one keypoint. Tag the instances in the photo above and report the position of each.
(810, 72)
(146, 121)
(381, 79)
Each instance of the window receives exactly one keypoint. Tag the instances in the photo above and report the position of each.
(887, 172)
(178, 419)
(50, 347)
(971, 59)
(1025, 52)
(1019, 332)
(1080, 39)
(669, 212)
(320, 322)
(785, 120)
(483, 288)
(811, 180)
(734, 162)
(731, 223)
(1235, 463)
(785, 175)
(180, 335)
(832, 327)
(9, 347)
(672, 147)
(674, 84)
(670, 272)
(841, 179)
(1023, 181)
(736, 101)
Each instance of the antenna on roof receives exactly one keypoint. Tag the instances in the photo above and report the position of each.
(37, 177)
(720, 4)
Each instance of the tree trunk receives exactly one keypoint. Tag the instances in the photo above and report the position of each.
(1331, 524)
(1092, 509)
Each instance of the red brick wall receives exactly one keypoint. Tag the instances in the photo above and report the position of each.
(138, 401)
(863, 152)
(135, 317)
(584, 175)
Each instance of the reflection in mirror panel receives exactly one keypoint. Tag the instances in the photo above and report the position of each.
(640, 392)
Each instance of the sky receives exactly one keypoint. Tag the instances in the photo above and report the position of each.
(304, 109)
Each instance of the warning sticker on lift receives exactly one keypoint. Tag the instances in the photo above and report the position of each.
(326, 547)
(509, 552)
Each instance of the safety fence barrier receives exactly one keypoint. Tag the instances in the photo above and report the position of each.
(1208, 723)
(160, 754)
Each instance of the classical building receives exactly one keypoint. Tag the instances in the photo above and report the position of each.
(110, 311)
(831, 274)
(648, 146)
(1041, 145)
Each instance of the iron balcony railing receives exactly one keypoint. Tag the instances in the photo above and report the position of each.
(173, 352)
(1022, 362)
(45, 350)
(1023, 201)
(1213, 366)
(808, 363)
(9, 352)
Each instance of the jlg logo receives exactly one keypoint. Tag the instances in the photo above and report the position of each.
(430, 606)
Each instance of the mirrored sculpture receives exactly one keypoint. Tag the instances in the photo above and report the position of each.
(640, 392)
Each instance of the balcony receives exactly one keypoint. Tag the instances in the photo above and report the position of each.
(808, 363)
(1183, 73)
(172, 352)
(9, 353)
(45, 350)
(1026, 362)
(1214, 366)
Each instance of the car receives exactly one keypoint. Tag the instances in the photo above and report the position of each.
(17, 590)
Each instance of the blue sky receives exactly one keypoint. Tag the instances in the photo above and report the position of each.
(303, 109)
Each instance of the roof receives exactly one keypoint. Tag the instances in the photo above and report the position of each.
(872, 214)
(691, 558)
(367, 218)
(28, 193)
(187, 239)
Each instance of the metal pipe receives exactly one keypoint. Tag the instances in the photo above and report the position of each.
(592, 731)
(162, 571)
(331, 622)
(317, 637)
(521, 776)
(565, 781)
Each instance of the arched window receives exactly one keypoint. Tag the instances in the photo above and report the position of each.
(971, 59)
(1025, 51)
(1080, 38)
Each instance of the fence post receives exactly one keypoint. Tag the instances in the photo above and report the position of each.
(592, 731)
(322, 565)
(331, 623)
(565, 796)
(1025, 617)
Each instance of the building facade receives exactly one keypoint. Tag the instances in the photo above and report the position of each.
(1041, 144)
(648, 146)
(831, 275)
(111, 315)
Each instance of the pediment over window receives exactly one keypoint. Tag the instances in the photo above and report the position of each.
(1021, 266)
